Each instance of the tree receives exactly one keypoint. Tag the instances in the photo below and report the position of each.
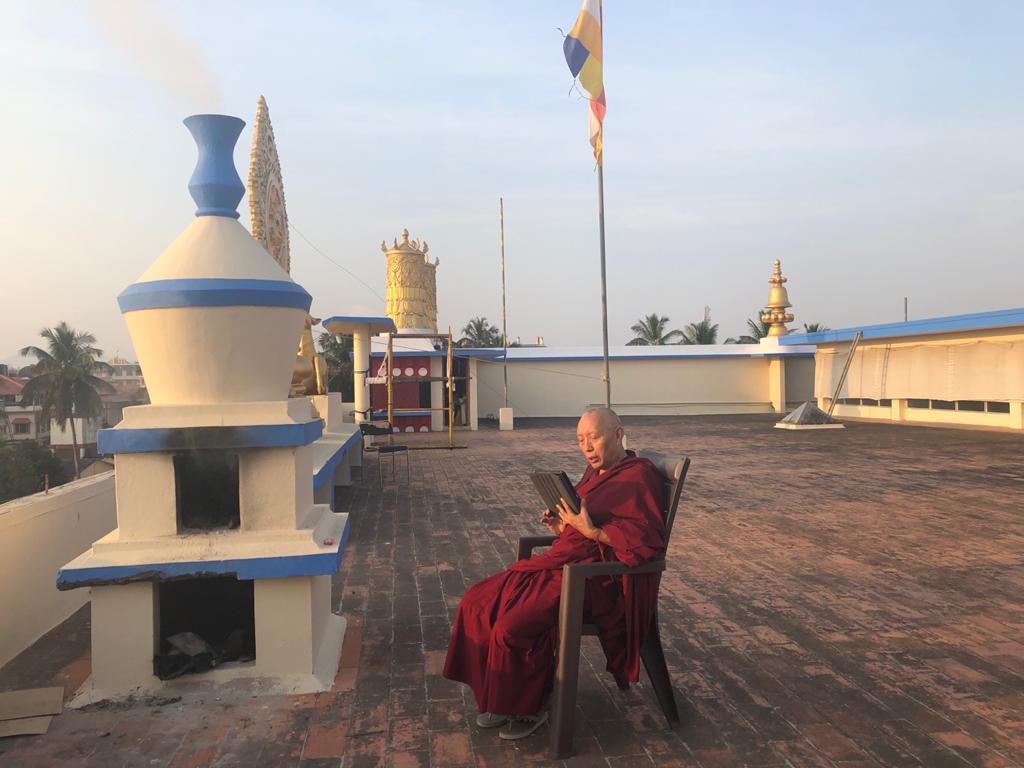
(814, 328)
(24, 468)
(652, 331)
(704, 332)
(758, 330)
(337, 351)
(62, 379)
(480, 333)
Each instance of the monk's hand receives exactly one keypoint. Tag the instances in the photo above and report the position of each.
(580, 522)
(552, 521)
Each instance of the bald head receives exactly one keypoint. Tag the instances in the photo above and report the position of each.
(599, 434)
(604, 419)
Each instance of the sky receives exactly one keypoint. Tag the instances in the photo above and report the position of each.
(874, 147)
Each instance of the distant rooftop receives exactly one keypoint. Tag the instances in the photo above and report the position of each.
(9, 386)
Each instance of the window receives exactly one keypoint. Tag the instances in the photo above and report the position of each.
(917, 404)
(886, 402)
(970, 405)
(22, 428)
(944, 405)
(996, 407)
(868, 401)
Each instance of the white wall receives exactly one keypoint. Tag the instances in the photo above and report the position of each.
(85, 431)
(799, 380)
(640, 387)
(38, 535)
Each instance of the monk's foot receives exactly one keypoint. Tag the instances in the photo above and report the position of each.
(487, 720)
(521, 727)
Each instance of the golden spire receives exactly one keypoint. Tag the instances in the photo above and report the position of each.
(775, 314)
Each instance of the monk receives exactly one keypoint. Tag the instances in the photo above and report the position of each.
(505, 633)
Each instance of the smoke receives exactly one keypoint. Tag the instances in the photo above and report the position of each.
(150, 38)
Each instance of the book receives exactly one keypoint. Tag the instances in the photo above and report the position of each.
(553, 486)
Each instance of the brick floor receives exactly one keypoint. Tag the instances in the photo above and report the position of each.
(849, 598)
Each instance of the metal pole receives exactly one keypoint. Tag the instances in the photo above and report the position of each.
(604, 284)
(391, 421)
(846, 370)
(451, 390)
(504, 326)
(904, 309)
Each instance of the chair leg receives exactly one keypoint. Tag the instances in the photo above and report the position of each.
(657, 672)
(563, 695)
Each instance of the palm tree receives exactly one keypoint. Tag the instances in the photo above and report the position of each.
(337, 351)
(814, 327)
(63, 381)
(758, 330)
(704, 332)
(651, 331)
(480, 333)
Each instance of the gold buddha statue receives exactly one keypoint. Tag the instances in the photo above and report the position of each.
(310, 374)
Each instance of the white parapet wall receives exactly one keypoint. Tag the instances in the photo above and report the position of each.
(38, 535)
(724, 380)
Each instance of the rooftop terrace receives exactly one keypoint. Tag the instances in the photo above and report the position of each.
(838, 598)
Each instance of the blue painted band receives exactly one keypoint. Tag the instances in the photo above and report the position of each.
(398, 415)
(247, 568)
(1001, 318)
(327, 470)
(152, 439)
(214, 292)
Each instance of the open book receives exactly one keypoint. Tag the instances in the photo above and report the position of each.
(553, 486)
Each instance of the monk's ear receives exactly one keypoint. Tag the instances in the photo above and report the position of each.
(620, 433)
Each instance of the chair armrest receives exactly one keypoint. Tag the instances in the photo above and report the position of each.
(576, 571)
(527, 544)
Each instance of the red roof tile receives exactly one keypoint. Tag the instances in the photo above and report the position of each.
(9, 386)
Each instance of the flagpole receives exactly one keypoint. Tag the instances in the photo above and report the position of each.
(604, 283)
(504, 327)
(600, 219)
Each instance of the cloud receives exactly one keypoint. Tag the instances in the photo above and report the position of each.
(150, 39)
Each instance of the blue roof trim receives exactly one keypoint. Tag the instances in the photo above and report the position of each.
(246, 569)
(327, 470)
(151, 439)
(404, 413)
(213, 292)
(949, 324)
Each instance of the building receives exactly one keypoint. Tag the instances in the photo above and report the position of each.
(23, 421)
(85, 434)
(962, 369)
(124, 376)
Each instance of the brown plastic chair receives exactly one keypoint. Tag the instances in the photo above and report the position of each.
(570, 618)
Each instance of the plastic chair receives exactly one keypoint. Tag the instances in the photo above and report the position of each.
(570, 618)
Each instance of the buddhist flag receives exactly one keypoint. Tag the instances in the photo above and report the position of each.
(582, 49)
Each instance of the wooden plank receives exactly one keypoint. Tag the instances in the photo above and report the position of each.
(31, 702)
(25, 726)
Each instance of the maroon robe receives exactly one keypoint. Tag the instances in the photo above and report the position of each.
(505, 633)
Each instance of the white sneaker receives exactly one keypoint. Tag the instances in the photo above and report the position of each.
(521, 727)
(487, 720)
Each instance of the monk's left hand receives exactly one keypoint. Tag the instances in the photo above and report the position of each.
(580, 522)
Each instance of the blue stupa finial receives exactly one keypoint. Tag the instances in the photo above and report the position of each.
(215, 185)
